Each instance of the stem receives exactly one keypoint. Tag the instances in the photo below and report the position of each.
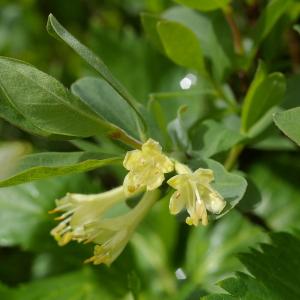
(231, 103)
(167, 95)
(233, 156)
(142, 208)
(236, 35)
(126, 139)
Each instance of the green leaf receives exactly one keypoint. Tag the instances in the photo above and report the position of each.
(58, 31)
(85, 284)
(231, 186)
(276, 271)
(289, 123)
(106, 103)
(210, 138)
(261, 129)
(204, 28)
(291, 98)
(48, 164)
(205, 5)
(149, 22)
(13, 116)
(242, 287)
(276, 177)
(271, 14)
(265, 92)
(211, 250)
(283, 253)
(178, 131)
(181, 45)
(45, 102)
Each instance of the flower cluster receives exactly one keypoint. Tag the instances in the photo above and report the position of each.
(85, 218)
(146, 167)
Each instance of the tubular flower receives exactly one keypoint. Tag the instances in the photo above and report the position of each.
(146, 167)
(85, 219)
(195, 193)
(112, 235)
(80, 210)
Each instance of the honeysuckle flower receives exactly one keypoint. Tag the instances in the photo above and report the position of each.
(195, 193)
(85, 219)
(79, 210)
(112, 235)
(146, 167)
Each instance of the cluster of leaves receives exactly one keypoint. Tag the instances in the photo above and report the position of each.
(210, 92)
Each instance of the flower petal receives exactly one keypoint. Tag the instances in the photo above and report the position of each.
(177, 203)
(204, 176)
(155, 179)
(151, 146)
(177, 181)
(214, 202)
(182, 169)
(132, 159)
(130, 186)
(165, 164)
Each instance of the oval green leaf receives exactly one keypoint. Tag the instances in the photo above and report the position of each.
(58, 31)
(265, 92)
(204, 5)
(181, 45)
(269, 17)
(49, 164)
(44, 102)
(106, 103)
(289, 123)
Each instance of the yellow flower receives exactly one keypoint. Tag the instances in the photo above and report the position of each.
(85, 219)
(80, 210)
(146, 167)
(195, 193)
(112, 235)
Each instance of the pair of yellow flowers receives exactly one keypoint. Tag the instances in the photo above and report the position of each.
(84, 219)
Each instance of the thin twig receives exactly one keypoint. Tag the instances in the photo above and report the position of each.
(236, 35)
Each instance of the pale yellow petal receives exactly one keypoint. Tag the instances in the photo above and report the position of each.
(177, 181)
(182, 169)
(155, 179)
(129, 184)
(132, 159)
(177, 203)
(215, 202)
(151, 146)
(165, 164)
(204, 176)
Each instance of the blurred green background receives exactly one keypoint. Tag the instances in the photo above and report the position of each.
(165, 258)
